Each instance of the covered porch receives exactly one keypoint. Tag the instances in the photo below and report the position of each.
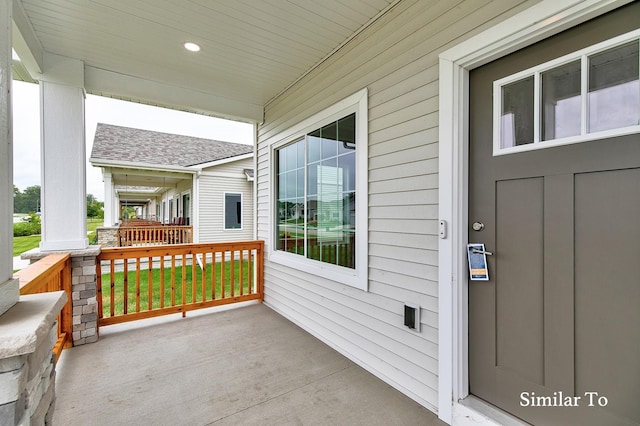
(241, 366)
(141, 193)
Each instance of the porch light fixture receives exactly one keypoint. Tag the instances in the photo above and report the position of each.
(192, 47)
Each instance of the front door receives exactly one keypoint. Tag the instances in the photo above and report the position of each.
(554, 335)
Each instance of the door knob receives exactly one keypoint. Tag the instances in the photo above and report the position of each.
(477, 226)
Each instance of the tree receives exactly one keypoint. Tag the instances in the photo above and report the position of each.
(16, 198)
(95, 208)
(27, 201)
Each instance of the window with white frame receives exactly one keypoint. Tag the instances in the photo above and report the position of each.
(590, 94)
(232, 210)
(320, 194)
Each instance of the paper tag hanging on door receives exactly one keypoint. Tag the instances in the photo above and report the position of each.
(478, 269)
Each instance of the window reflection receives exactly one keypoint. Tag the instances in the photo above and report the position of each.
(614, 90)
(561, 102)
(517, 113)
(317, 220)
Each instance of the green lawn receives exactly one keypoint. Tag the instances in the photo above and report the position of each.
(92, 224)
(119, 292)
(22, 244)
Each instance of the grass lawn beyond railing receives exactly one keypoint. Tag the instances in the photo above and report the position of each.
(22, 244)
(142, 282)
(167, 291)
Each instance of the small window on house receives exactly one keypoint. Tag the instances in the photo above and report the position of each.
(232, 211)
(590, 94)
(320, 194)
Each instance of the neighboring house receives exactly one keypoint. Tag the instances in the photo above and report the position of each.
(176, 179)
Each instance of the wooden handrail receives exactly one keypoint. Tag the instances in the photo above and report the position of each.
(147, 281)
(52, 273)
(154, 235)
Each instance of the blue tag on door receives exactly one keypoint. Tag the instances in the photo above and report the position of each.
(478, 269)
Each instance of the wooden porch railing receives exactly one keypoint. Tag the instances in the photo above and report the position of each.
(142, 282)
(52, 273)
(154, 235)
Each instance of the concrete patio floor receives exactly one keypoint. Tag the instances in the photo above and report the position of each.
(241, 366)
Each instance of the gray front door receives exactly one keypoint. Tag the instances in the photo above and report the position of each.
(560, 316)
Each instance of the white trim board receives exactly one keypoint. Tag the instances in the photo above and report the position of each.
(222, 161)
(540, 21)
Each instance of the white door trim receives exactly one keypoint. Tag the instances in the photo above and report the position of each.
(540, 21)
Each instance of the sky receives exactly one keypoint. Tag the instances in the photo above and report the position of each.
(26, 130)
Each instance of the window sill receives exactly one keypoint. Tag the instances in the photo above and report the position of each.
(351, 277)
(631, 130)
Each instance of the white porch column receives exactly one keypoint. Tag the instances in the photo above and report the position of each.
(110, 202)
(64, 202)
(9, 292)
(116, 207)
(195, 206)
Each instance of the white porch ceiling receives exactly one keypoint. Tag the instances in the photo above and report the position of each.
(251, 49)
(139, 184)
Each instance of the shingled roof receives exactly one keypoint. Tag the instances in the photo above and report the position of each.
(125, 144)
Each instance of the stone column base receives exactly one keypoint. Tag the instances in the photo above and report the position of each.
(28, 332)
(83, 292)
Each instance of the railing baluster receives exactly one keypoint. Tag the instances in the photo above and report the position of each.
(65, 339)
(241, 272)
(99, 288)
(214, 262)
(138, 284)
(173, 280)
(126, 285)
(260, 270)
(112, 287)
(232, 267)
(184, 281)
(250, 272)
(150, 283)
(162, 281)
(222, 268)
(204, 276)
(194, 278)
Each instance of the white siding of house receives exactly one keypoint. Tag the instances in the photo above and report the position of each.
(175, 194)
(214, 182)
(397, 60)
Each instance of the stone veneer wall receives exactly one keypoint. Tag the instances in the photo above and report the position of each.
(107, 236)
(83, 292)
(28, 332)
(83, 295)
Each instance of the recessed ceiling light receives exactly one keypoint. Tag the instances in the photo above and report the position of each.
(192, 47)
